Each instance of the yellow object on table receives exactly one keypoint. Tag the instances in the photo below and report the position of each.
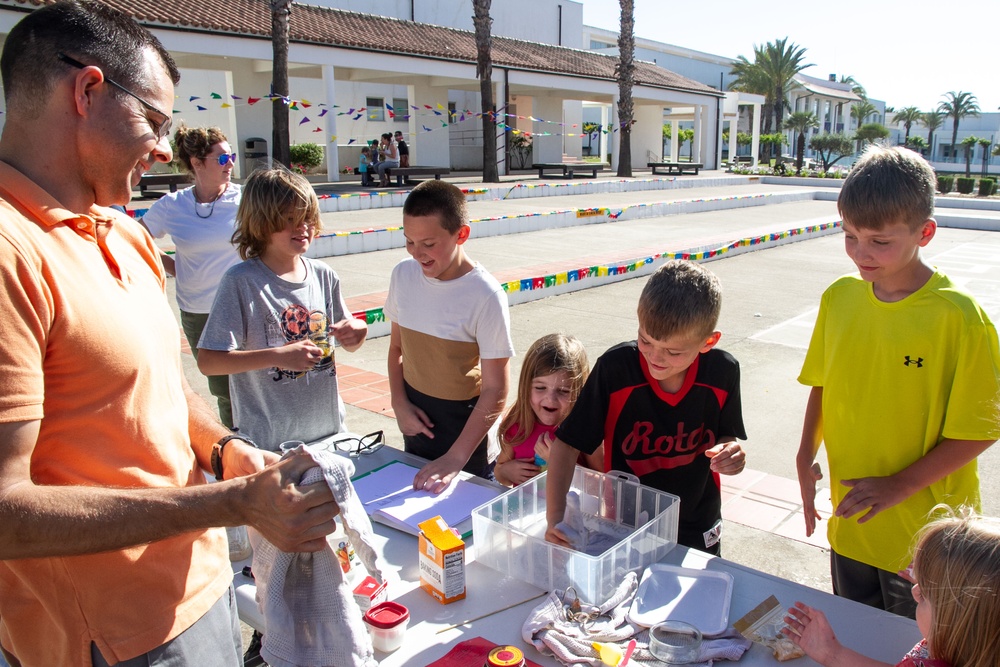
(610, 654)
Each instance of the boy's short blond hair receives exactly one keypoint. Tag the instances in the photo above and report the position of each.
(680, 298)
(438, 198)
(268, 196)
(887, 185)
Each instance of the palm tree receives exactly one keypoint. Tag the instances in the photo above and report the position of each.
(482, 22)
(907, 116)
(969, 143)
(801, 122)
(861, 110)
(625, 71)
(958, 106)
(770, 74)
(856, 87)
(932, 120)
(985, 143)
(280, 12)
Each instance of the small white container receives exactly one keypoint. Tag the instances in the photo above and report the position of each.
(387, 624)
(675, 642)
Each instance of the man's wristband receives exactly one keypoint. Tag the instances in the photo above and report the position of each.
(217, 452)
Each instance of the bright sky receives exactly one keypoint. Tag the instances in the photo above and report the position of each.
(906, 52)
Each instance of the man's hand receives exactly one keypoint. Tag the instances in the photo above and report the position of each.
(728, 458)
(437, 475)
(412, 420)
(293, 518)
(240, 459)
(350, 333)
(298, 356)
(873, 494)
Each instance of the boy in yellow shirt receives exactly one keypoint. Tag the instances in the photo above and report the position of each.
(904, 374)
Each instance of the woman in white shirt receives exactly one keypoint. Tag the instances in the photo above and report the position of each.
(390, 158)
(200, 221)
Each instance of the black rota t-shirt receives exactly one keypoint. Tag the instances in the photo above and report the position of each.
(657, 436)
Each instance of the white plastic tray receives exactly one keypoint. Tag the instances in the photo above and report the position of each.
(698, 597)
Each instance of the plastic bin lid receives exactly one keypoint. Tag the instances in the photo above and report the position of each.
(387, 614)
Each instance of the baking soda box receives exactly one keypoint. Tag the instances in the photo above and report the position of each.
(442, 561)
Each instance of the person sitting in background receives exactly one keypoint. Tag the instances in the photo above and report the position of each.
(389, 154)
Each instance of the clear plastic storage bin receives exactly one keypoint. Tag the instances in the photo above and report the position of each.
(641, 522)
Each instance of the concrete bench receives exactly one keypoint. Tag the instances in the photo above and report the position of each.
(159, 180)
(405, 172)
(675, 167)
(568, 169)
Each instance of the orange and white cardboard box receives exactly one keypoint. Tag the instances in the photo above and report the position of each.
(442, 561)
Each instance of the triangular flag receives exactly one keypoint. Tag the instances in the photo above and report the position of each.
(351, 141)
(193, 98)
(305, 119)
(226, 105)
(200, 108)
(216, 96)
(253, 100)
(323, 112)
(389, 107)
(236, 97)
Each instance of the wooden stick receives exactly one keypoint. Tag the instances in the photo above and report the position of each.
(477, 618)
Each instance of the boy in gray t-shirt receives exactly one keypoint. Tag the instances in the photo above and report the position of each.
(274, 315)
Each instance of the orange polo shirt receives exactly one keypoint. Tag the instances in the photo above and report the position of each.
(91, 349)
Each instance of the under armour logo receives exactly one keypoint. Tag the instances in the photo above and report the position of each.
(918, 362)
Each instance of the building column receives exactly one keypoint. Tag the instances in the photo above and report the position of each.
(332, 153)
(499, 99)
(411, 124)
(615, 136)
(699, 134)
(755, 133)
(734, 127)
(602, 140)
(674, 143)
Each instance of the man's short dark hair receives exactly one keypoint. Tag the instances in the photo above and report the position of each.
(91, 32)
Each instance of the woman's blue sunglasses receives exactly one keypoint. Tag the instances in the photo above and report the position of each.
(227, 157)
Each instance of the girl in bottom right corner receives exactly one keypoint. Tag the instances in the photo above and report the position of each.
(957, 589)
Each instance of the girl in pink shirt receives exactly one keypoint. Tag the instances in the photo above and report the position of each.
(552, 375)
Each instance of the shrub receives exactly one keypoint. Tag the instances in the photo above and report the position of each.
(945, 184)
(965, 185)
(987, 186)
(306, 155)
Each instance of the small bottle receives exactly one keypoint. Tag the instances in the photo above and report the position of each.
(239, 543)
(349, 562)
(505, 656)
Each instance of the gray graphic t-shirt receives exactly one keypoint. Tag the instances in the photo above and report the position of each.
(255, 309)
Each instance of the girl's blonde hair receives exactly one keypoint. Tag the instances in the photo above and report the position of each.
(957, 562)
(271, 199)
(547, 355)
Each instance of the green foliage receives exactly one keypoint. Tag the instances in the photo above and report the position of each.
(306, 156)
(871, 132)
(744, 138)
(917, 143)
(987, 186)
(770, 74)
(945, 184)
(957, 106)
(830, 145)
(667, 131)
(965, 185)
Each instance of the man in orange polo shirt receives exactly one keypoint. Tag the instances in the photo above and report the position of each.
(111, 546)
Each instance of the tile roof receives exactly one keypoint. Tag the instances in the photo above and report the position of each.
(367, 32)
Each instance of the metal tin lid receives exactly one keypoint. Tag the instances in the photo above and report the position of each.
(505, 656)
(387, 615)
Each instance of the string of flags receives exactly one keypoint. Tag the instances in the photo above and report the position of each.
(373, 315)
(432, 117)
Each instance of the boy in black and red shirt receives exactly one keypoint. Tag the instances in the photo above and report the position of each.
(666, 406)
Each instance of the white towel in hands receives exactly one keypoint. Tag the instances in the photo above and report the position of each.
(310, 616)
